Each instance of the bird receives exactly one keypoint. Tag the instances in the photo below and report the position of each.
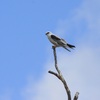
(58, 42)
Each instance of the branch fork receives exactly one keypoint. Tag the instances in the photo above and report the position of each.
(61, 78)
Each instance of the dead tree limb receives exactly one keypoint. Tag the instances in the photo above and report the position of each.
(76, 96)
(61, 78)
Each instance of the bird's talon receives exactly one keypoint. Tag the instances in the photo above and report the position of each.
(53, 47)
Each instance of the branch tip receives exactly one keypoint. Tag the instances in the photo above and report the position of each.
(76, 96)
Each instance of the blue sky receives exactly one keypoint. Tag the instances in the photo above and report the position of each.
(26, 54)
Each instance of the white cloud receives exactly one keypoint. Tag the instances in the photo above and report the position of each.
(80, 71)
(81, 68)
(84, 23)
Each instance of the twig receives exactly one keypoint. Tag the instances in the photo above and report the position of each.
(51, 72)
(76, 96)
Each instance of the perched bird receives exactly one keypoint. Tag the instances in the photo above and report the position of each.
(58, 42)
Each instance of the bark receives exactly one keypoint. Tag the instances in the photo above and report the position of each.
(61, 78)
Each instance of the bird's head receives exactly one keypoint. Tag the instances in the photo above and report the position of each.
(48, 33)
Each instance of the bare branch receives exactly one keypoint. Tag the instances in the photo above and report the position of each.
(66, 88)
(51, 72)
(60, 77)
(64, 83)
(76, 96)
(55, 59)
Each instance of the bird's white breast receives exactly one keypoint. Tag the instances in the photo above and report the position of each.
(52, 41)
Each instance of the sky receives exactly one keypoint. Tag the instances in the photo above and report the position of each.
(26, 54)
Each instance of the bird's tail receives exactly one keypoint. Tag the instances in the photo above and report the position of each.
(70, 46)
(67, 49)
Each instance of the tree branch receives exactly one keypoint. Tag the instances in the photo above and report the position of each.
(55, 59)
(76, 96)
(51, 72)
(60, 77)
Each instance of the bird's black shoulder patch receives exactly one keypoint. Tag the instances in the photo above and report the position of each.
(55, 37)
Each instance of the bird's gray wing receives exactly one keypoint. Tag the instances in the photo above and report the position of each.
(63, 41)
(60, 41)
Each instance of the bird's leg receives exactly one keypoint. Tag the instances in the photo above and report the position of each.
(53, 47)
